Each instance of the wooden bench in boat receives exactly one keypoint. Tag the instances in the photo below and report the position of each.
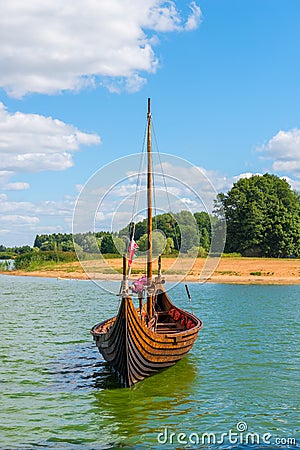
(166, 324)
(168, 331)
(168, 327)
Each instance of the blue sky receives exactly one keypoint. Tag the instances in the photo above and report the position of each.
(223, 77)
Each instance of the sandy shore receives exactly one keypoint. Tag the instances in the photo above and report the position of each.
(225, 270)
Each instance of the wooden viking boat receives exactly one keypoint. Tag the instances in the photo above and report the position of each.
(139, 342)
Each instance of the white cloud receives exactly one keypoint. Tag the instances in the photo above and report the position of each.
(189, 202)
(4, 177)
(134, 83)
(20, 220)
(33, 143)
(131, 84)
(100, 217)
(48, 47)
(25, 220)
(287, 166)
(284, 149)
(163, 16)
(17, 186)
(244, 175)
(295, 184)
(195, 177)
(195, 18)
(284, 143)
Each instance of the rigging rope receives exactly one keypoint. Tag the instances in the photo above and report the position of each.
(138, 185)
(137, 191)
(166, 189)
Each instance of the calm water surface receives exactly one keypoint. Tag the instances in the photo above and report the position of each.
(58, 393)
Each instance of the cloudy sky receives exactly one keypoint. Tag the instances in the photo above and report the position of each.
(75, 76)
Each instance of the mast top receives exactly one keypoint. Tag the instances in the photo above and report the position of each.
(149, 107)
(149, 207)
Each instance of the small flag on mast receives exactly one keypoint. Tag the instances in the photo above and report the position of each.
(131, 250)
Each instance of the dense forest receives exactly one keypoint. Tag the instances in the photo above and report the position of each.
(195, 227)
(262, 215)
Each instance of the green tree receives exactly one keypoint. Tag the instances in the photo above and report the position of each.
(204, 227)
(67, 246)
(107, 244)
(263, 217)
(163, 222)
(120, 245)
(169, 246)
(187, 235)
(189, 238)
(160, 243)
(23, 249)
(48, 245)
(89, 243)
(143, 243)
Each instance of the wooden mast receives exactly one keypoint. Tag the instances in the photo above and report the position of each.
(149, 206)
(133, 349)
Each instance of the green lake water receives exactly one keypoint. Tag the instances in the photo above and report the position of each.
(58, 393)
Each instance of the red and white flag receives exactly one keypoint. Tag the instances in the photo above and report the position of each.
(131, 250)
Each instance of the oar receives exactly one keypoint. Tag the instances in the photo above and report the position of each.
(189, 296)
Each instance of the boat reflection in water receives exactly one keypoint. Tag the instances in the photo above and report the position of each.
(128, 415)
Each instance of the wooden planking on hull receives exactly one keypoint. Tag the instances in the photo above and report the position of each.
(134, 351)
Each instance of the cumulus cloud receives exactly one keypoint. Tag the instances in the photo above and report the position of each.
(196, 177)
(164, 16)
(33, 143)
(195, 18)
(20, 222)
(244, 175)
(189, 202)
(5, 175)
(17, 186)
(295, 184)
(284, 150)
(48, 47)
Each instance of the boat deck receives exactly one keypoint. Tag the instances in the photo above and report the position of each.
(166, 324)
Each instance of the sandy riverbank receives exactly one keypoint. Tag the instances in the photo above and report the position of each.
(225, 270)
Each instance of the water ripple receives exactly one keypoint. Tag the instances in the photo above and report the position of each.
(58, 393)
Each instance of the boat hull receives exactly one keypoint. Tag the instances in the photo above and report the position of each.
(136, 352)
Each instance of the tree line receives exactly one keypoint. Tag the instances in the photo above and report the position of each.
(262, 216)
(196, 229)
(64, 247)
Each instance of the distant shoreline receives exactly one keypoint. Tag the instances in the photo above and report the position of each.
(235, 270)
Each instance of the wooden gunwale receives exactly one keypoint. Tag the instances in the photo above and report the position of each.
(138, 352)
(158, 338)
(152, 345)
